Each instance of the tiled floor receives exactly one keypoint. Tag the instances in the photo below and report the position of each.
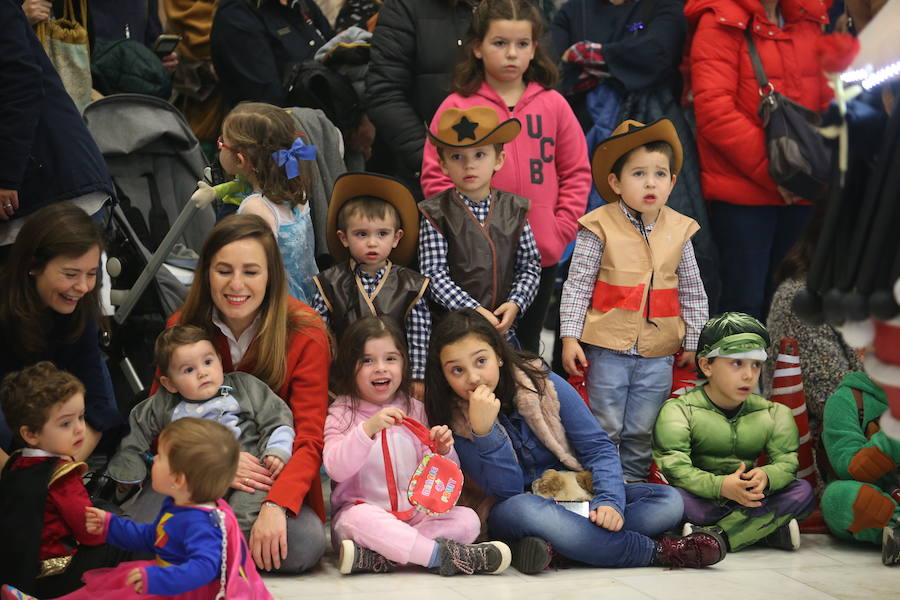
(822, 569)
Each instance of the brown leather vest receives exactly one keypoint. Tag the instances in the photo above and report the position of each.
(481, 257)
(344, 295)
(635, 299)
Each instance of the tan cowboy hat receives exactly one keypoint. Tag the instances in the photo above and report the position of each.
(473, 127)
(392, 191)
(626, 137)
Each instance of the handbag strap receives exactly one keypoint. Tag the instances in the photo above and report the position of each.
(758, 70)
(421, 432)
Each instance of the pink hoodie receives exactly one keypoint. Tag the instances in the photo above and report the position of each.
(355, 462)
(547, 163)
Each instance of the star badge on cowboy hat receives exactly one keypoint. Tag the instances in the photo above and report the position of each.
(351, 185)
(625, 138)
(473, 127)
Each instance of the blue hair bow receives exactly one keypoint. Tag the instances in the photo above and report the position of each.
(288, 158)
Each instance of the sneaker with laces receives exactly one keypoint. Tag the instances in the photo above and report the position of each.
(890, 545)
(786, 537)
(531, 555)
(8, 592)
(356, 559)
(489, 558)
(701, 548)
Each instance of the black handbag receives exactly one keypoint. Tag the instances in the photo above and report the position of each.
(799, 160)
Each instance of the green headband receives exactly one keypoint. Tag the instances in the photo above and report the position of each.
(739, 345)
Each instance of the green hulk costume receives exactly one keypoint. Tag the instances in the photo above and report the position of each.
(859, 504)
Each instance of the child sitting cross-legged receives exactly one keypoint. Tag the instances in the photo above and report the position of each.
(372, 519)
(193, 385)
(373, 227)
(707, 442)
(45, 545)
(200, 552)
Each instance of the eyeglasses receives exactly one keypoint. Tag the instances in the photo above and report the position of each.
(221, 144)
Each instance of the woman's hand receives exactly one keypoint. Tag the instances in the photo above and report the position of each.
(788, 196)
(483, 409)
(384, 418)
(9, 204)
(251, 475)
(37, 11)
(170, 61)
(268, 537)
(444, 437)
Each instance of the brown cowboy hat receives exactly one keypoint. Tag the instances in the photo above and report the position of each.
(473, 127)
(626, 137)
(349, 186)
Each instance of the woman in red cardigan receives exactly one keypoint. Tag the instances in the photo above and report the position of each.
(754, 221)
(240, 296)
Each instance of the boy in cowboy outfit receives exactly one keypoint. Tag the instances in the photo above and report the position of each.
(634, 293)
(475, 243)
(372, 231)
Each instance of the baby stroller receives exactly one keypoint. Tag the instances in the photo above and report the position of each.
(155, 161)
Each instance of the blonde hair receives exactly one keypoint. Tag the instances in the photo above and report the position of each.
(267, 354)
(257, 130)
(205, 452)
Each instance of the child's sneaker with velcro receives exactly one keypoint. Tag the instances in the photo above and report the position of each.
(356, 559)
(489, 558)
(786, 537)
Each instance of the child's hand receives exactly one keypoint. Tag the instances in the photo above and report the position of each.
(574, 360)
(444, 438)
(735, 487)
(417, 390)
(135, 579)
(506, 313)
(274, 465)
(483, 409)
(94, 520)
(487, 315)
(384, 418)
(607, 517)
(758, 478)
(686, 359)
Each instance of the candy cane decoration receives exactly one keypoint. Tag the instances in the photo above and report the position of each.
(787, 389)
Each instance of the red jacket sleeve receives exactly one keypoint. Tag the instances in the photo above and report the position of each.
(70, 498)
(715, 80)
(306, 391)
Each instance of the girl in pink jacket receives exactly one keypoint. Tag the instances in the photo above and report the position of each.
(372, 519)
(505, 68)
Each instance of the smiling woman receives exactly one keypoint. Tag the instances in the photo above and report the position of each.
(49, 310)
(240, 297)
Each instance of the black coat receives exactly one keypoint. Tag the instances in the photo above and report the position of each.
(415, 47)
(46, 152)
(636, 60)
(251, 47)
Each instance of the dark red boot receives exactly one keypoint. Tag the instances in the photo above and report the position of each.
(699, 549)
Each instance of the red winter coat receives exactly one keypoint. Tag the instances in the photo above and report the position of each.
(730, 138)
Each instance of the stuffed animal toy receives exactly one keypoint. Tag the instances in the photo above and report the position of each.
(564, 486)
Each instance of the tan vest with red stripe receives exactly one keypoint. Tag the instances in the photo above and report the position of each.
(635, 299)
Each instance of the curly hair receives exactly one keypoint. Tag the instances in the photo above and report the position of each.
(27, 396)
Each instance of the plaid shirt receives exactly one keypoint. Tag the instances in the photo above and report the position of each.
(433, 250)
(418, 323)
(579, 287)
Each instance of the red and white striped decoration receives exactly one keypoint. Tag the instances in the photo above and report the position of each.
(883, 366)
(787, 389)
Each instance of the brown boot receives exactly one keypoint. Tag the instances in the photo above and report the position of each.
(699, 549)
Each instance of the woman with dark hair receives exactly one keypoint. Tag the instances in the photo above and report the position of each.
(240, 298)
(512, 420)
(50, 310)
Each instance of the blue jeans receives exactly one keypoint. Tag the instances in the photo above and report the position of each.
(650, 509)
(626, 393)
(752, 242)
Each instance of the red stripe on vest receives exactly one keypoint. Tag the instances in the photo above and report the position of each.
(664, 303)
(607, 297)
